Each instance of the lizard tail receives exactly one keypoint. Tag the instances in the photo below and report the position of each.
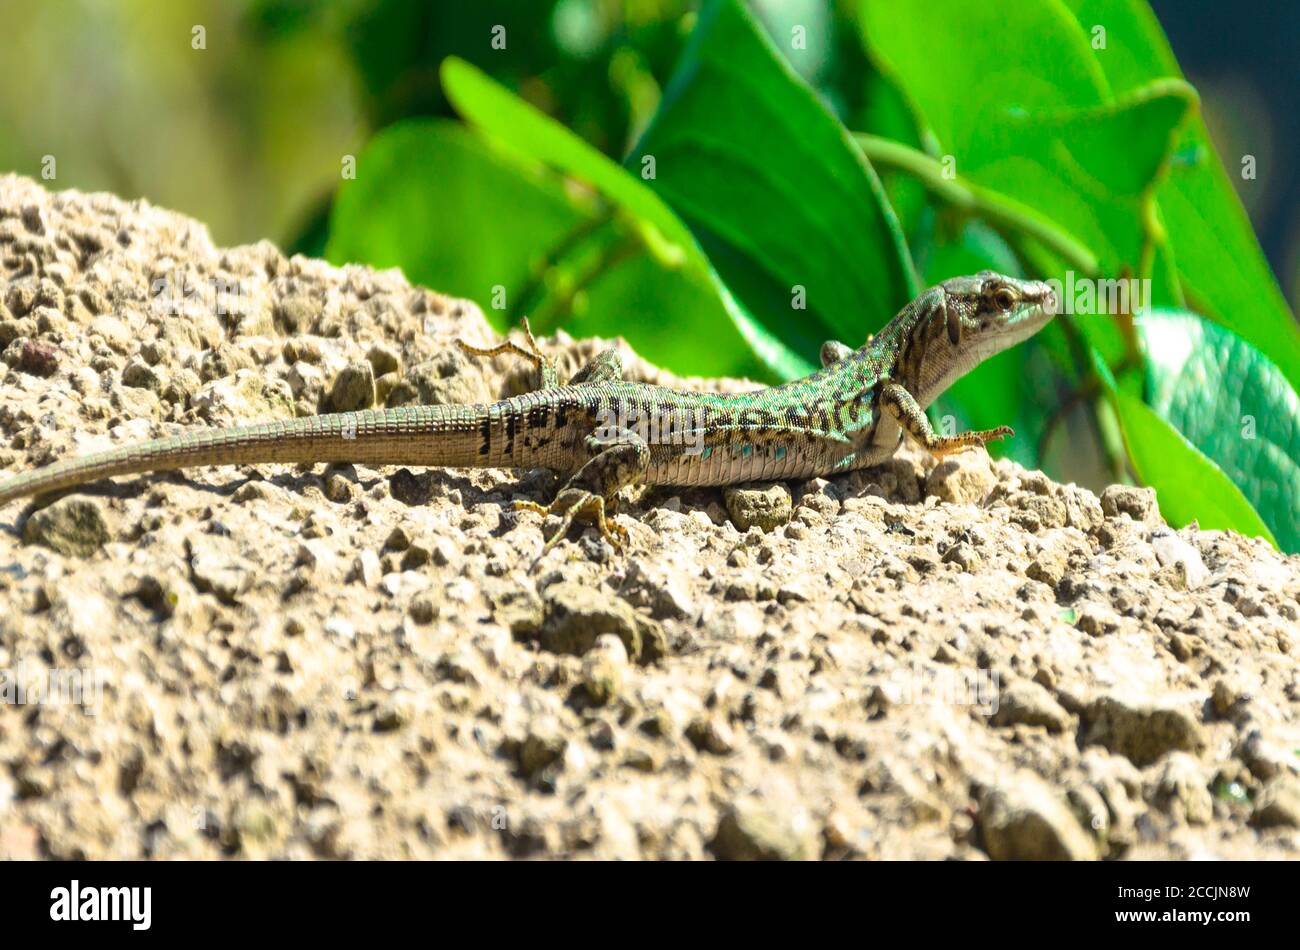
(448, 436)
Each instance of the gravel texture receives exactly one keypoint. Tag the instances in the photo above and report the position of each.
(965, 660)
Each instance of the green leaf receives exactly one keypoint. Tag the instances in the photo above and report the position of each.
(431, 199)
(1189, 486)
(774, 187)
(1234, 405)
(515, 124)
(1034, 120)
(1219, 261)
(465, 218)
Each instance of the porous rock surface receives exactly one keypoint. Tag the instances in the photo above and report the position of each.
(964, 660)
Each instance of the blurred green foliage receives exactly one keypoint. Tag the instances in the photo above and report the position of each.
(727, 184)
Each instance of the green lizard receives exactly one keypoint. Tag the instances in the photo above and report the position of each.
(606, 434)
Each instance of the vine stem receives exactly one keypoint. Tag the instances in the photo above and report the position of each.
(998, 210)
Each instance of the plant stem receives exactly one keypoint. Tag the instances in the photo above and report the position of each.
(997, 209)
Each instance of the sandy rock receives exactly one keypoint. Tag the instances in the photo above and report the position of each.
(577, 615)
(1140, 731)
(1021, 819)
(1279, 804)
(353, 388)
(767, 507)
(73, 526)
(331, 661)
(1182, 789)
(1136, 503)
(1029, 704)
(750, 830)
(964, 478)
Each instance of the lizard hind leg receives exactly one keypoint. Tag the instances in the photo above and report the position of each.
(544, 366)
(617, 461)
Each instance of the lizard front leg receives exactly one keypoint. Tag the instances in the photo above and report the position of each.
(899, 403)
(620, 459)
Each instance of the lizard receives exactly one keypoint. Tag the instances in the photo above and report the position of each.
(603, 434)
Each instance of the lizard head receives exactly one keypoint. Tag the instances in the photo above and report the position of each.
(969, 319)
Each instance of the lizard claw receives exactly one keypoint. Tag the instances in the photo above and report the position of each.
(575, 503)
(966, 441)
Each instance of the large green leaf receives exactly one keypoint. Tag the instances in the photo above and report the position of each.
(1189, 486)
(774, 187)
(1034, 120)
(1234, 405)
(1215, 252)
(451, 213)
(515, 124)
(458, 215)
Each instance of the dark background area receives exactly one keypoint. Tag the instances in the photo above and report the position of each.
(1242, 57)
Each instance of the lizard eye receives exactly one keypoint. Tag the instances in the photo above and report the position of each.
(1004, 299)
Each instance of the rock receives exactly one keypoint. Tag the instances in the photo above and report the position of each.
(140, 375)
(964, 556)
(1279, 804)
(293, 314)
(750, 830)
(1022, 819)
(1024, 702)
(354, 388)
(767, 507)
(665, 593)
(223, 360)
(416, 556)
(305, 381)
(1172, 551)
(517, 608)
(218, 568)
(1137, 503)
(38, 358)
(1227, 692)
(602, 669)
(411, 489)
(135, 403)
(1082, 508)
(72, 526)
(1267, 756)
(576, 615)
(1049, 566)
(1096, 619)
(383, 359)
(1141, 731)
(366, 569)
(439, 382)
(423, 608)
(1182, 791)
(961, 479)
(543, 747)
(711, 734)
(245, 397)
